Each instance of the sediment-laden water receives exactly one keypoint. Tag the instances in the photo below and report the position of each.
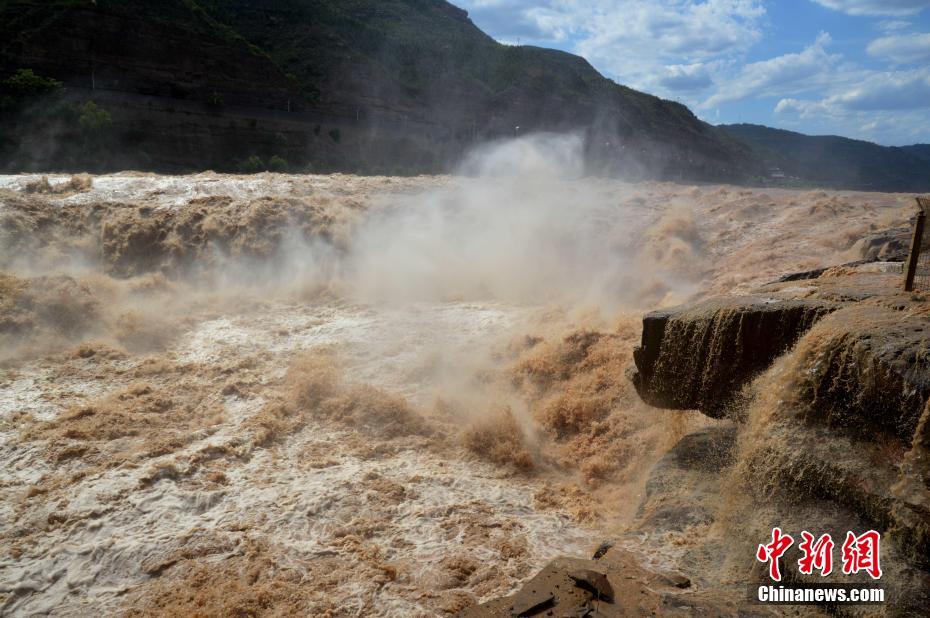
(340, 395)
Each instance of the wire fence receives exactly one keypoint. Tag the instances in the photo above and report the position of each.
(917, 269)
(922, 275)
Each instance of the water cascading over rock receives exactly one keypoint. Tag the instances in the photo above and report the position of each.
(700, 356)
(831, 395)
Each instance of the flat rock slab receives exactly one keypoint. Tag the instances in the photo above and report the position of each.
(636, 591)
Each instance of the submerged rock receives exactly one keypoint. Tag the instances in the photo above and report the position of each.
(890, 245)
(683, 487)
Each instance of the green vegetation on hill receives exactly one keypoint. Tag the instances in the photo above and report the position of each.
(921, 151)
(839, 162)
(399, 86)
(425, 60)
(22, 88)
(407, 84)
(25, 83)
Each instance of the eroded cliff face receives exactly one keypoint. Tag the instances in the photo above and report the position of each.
(831, 431)
(839, 421)
(700, 357)
(820, 384)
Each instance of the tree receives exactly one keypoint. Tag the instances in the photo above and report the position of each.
(278, 164)
(94, 119)
(252, 165)
(25, 83)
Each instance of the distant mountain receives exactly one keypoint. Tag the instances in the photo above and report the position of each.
(352, 85)
(918, 150)
(838, 162)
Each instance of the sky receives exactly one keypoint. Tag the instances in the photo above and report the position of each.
(857, 68)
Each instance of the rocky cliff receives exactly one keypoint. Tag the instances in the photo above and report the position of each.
(398, 86)
(821, 384)
(832, 429)
(700, 357)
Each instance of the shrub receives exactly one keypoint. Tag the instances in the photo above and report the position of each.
(278, 164)
(25, 83)
(41, 185)
(93, 118)
(336, 135)
(252, 165)
(80, 182)
(215, 100)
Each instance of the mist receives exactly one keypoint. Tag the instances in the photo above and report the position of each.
(518, 222)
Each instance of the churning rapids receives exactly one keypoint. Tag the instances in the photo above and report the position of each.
(340, 395)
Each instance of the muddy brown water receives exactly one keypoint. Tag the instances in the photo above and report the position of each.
(347, 395)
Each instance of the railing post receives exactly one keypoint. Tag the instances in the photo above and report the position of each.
(916, 241)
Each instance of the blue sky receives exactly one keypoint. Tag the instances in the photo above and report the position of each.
(859, 68)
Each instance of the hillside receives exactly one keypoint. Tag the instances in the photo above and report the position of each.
(838, 162)
(349, 85)
(921, 151)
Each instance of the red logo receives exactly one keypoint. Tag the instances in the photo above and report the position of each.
(773, 551)
(817, 555)
(860, 553)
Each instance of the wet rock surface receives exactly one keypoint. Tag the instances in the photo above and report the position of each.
(825, 383)
(891, 245)
(699, 357)
(831, 403)
(684, 485)
(869, 371)
(558, 590)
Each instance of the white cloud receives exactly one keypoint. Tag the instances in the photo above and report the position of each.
(800, 107)
(873, 91)
(807, 70)
(883, 127)
(508, 20)
(696, 49)
(689, 29)
(876, 7)
(893, 25)
(888, 91)
(663, 47)
(888, 107)
(686, 77)
(902, 49)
